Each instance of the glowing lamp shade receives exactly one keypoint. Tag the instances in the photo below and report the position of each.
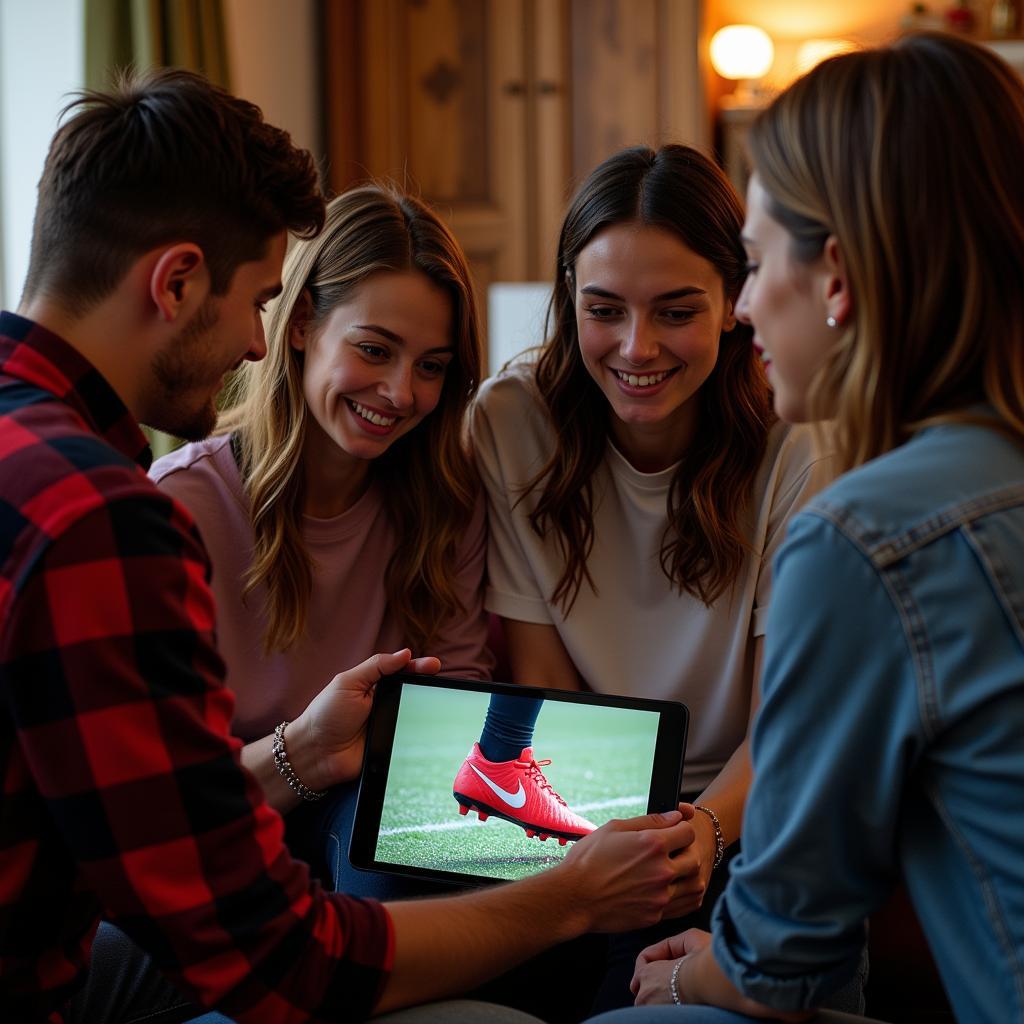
(741, 51)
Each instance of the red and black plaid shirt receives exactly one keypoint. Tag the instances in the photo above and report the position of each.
(122, 789)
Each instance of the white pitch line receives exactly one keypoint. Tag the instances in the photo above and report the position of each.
(468, 822)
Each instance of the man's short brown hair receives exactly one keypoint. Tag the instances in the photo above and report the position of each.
(165, 156)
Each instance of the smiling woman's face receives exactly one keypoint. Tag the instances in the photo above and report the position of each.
(376, 368)
(786, 302)
(649, 316)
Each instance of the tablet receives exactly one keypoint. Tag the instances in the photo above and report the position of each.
(430, 806)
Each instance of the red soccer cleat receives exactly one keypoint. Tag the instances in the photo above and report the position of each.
(518, 792)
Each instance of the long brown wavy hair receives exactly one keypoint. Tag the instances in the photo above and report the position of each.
(678, 189)
(912, 157)
(428, 476)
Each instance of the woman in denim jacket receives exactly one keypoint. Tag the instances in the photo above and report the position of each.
(885, 234)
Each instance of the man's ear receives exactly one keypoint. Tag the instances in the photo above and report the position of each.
(179, 281)
(838, 297)
(300, 321)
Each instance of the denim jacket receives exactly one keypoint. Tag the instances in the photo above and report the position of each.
(890, 739)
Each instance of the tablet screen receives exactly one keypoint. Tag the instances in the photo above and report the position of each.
(429, 806)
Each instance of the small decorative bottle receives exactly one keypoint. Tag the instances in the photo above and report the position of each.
(1003, 18)
(919, 19)
(960, 17)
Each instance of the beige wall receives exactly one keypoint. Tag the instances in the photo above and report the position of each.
(273, 54)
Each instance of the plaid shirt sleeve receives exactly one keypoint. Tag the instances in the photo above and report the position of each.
(115, 688)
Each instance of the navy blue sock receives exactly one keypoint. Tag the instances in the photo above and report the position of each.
(508, 726)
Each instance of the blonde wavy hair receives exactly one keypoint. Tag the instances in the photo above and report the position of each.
(429, 479)
(912, 156)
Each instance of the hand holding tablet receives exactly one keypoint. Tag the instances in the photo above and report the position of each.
(621, 875)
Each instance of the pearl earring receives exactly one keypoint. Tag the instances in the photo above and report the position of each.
(832, 321)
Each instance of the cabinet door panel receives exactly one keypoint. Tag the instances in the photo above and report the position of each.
(441, 101)
(445, 49)
(635, 77)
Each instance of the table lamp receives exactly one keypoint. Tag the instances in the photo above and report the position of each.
(744, 54)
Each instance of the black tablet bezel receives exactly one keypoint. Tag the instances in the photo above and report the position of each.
(666, 773)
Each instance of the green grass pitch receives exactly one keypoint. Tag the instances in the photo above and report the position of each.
(601, 766)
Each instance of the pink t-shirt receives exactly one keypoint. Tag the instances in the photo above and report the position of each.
(348, 616)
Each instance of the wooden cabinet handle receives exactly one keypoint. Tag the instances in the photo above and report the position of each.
(543, 88)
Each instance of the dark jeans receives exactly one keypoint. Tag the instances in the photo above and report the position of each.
(123, 987)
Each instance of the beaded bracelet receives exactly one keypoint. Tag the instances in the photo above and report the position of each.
(284, 766)
(719, 838)
(673, 982)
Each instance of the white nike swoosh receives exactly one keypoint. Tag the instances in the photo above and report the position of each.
(516, 799)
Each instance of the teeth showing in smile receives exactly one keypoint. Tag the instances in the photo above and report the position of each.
(375, 418)
(645, 380)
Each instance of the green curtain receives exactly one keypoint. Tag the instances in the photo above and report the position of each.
(154, 33)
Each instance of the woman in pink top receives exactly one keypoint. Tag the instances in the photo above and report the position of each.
(338, 501)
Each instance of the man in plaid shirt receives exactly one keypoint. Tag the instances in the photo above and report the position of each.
(160, 232)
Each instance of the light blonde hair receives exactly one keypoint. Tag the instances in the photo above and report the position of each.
(912, 156)
(428, 475)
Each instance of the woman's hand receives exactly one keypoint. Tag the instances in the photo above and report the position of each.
(327, 738)
(651, 984)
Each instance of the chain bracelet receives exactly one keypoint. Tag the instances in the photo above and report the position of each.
(284, 766)
(673, 982)
(719, 838)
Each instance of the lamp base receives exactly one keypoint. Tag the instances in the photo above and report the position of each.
(746, 94)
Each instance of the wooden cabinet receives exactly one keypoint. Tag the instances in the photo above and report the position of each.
(493, 109)
(635, 77)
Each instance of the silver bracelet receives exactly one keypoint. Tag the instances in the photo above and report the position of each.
(284, 766)
(719, 838)
(673, 982)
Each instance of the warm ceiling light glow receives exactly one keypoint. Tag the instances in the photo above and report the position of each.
(814, 51)
(741, 51)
